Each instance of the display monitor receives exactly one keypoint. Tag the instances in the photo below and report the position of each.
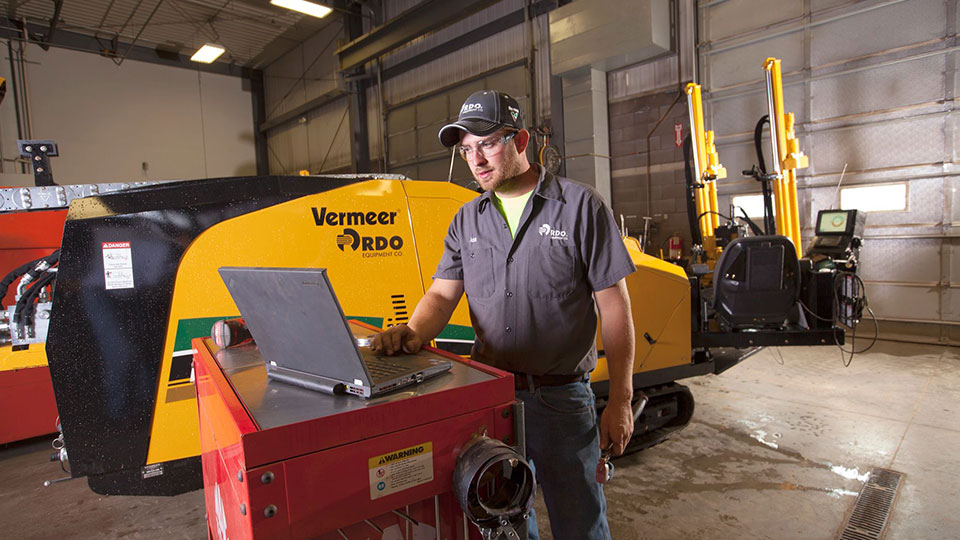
(834, 222)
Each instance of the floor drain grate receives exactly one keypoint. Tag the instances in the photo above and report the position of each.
(871, 512)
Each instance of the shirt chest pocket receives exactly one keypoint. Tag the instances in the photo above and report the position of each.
(478, 275)
(553, 271)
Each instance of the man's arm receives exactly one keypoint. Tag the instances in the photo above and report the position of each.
(616, 329)
(428, 320)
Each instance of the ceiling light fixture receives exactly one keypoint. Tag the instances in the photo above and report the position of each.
(208, 53)
(303, 6)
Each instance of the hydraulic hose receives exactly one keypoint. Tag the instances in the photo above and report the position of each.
(769, 226)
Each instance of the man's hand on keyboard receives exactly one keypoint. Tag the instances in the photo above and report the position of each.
(396, 339)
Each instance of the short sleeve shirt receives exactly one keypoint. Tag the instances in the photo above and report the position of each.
(531, 295)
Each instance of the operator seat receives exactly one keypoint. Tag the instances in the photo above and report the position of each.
(756, 282)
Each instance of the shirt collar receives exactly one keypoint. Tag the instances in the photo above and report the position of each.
(547, 187)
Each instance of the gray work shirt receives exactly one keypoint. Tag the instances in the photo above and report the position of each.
(531, 296)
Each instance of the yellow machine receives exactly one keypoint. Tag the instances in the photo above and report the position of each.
(138, 280)
(119, 357)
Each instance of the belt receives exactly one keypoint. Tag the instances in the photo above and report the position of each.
(525, 381)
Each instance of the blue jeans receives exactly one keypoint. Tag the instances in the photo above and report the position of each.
(563, 445)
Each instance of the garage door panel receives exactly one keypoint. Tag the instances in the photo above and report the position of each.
(732, 18)
(432, 110)
(951, 304)
(427, 142)
(898, 259)
(903, 302)
(923, 213)
(897, 143)
(952, 249)
(882, 88)
(402, 147)
(401, 119)
(881, 29)
(744, 64)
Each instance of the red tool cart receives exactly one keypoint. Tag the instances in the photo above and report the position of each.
(280, 461)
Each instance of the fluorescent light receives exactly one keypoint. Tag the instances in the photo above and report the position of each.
(208, 53)
(303, 7)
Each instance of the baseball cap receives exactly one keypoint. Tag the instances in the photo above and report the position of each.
(481, 114)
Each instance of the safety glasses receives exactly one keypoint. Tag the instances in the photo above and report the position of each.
(487, 148)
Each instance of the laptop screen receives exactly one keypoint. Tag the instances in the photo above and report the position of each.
(296, 320)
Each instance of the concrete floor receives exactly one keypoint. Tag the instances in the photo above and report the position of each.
(778, 448)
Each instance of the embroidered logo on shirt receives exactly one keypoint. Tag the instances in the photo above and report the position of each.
(473, 239)
(553, 234)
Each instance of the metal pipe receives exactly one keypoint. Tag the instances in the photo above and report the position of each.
(23, 81)
(531, 61)
(381, 124)
(142, 28)
(16, 96)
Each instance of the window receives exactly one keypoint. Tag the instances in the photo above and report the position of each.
(751, 204)
(877, 198)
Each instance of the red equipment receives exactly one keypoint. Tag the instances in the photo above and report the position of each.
(675, 248)
(27, 405)
(280, 461)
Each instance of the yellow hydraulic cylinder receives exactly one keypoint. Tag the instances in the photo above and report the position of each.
(695, 109)
(713, 172)
(793, 161)
(787, 157)
(706, 164)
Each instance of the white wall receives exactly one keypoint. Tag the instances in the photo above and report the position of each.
(108, 120)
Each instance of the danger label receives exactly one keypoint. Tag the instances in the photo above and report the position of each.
(400, 470)
(117, 265)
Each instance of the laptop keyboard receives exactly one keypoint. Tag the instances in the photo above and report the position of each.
(381, 368)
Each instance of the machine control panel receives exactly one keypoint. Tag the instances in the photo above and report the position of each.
(838, 233)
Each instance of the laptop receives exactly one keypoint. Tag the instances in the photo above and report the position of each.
(305, 339)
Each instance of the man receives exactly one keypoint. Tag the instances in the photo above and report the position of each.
(537, 256)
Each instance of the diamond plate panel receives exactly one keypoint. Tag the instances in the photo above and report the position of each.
(880, 29)
(38, 197)
(888, 144)
(900, 259)
(736, 17)
(744, 64)
(898, 85)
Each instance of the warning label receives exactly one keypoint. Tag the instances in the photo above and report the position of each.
(117, 265)
(401, 470)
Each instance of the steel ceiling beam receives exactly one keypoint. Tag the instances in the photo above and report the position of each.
(82, 42)
(427, 16)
